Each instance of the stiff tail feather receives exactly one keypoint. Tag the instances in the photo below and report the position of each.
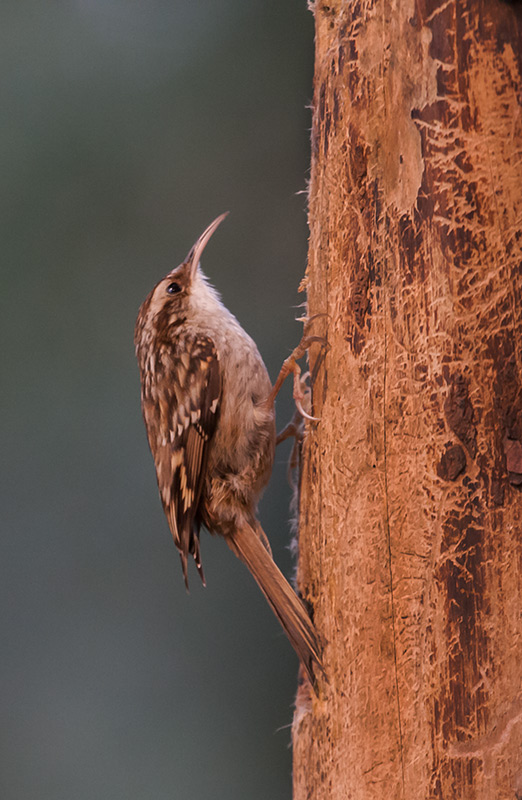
(288, 608)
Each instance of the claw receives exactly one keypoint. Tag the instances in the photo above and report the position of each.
(308, 320)
(303, 412)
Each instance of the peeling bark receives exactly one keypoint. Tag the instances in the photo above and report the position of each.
(411, 504)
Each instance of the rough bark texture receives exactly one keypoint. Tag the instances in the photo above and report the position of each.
(411, 504)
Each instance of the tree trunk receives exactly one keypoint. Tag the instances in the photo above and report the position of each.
(411, 505)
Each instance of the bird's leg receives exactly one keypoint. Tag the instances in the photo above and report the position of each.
(295, 429)
(290, 429)
(290, 365)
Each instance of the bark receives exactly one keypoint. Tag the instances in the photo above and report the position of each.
(410, 509)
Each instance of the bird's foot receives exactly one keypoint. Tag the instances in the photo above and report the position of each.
(290, 365)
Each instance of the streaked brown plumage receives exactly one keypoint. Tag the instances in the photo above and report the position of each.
(211, 430)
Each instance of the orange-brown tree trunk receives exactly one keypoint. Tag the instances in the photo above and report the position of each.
(411, 504)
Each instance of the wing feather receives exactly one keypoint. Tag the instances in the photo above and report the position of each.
(181, 416)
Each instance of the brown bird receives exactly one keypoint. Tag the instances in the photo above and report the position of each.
(208, 407)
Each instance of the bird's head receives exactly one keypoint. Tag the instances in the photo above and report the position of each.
(170, 300)
(176, 286)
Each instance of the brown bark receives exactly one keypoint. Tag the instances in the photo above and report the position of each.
(410, 511)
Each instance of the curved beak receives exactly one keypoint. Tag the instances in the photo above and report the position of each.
(196, 250)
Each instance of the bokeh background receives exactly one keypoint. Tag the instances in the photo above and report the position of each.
(126, 127)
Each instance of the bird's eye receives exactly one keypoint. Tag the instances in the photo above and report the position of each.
(173, 288)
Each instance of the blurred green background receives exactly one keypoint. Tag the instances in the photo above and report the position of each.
(126, 128)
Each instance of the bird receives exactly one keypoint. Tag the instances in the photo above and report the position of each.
(208, 407)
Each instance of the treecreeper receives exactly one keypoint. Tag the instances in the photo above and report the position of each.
(208, 406)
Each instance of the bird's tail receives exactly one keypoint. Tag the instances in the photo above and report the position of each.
(249, 546)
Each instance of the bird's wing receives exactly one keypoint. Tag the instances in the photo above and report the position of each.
(186, 409)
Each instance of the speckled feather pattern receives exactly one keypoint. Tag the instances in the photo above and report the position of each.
(203, 386)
